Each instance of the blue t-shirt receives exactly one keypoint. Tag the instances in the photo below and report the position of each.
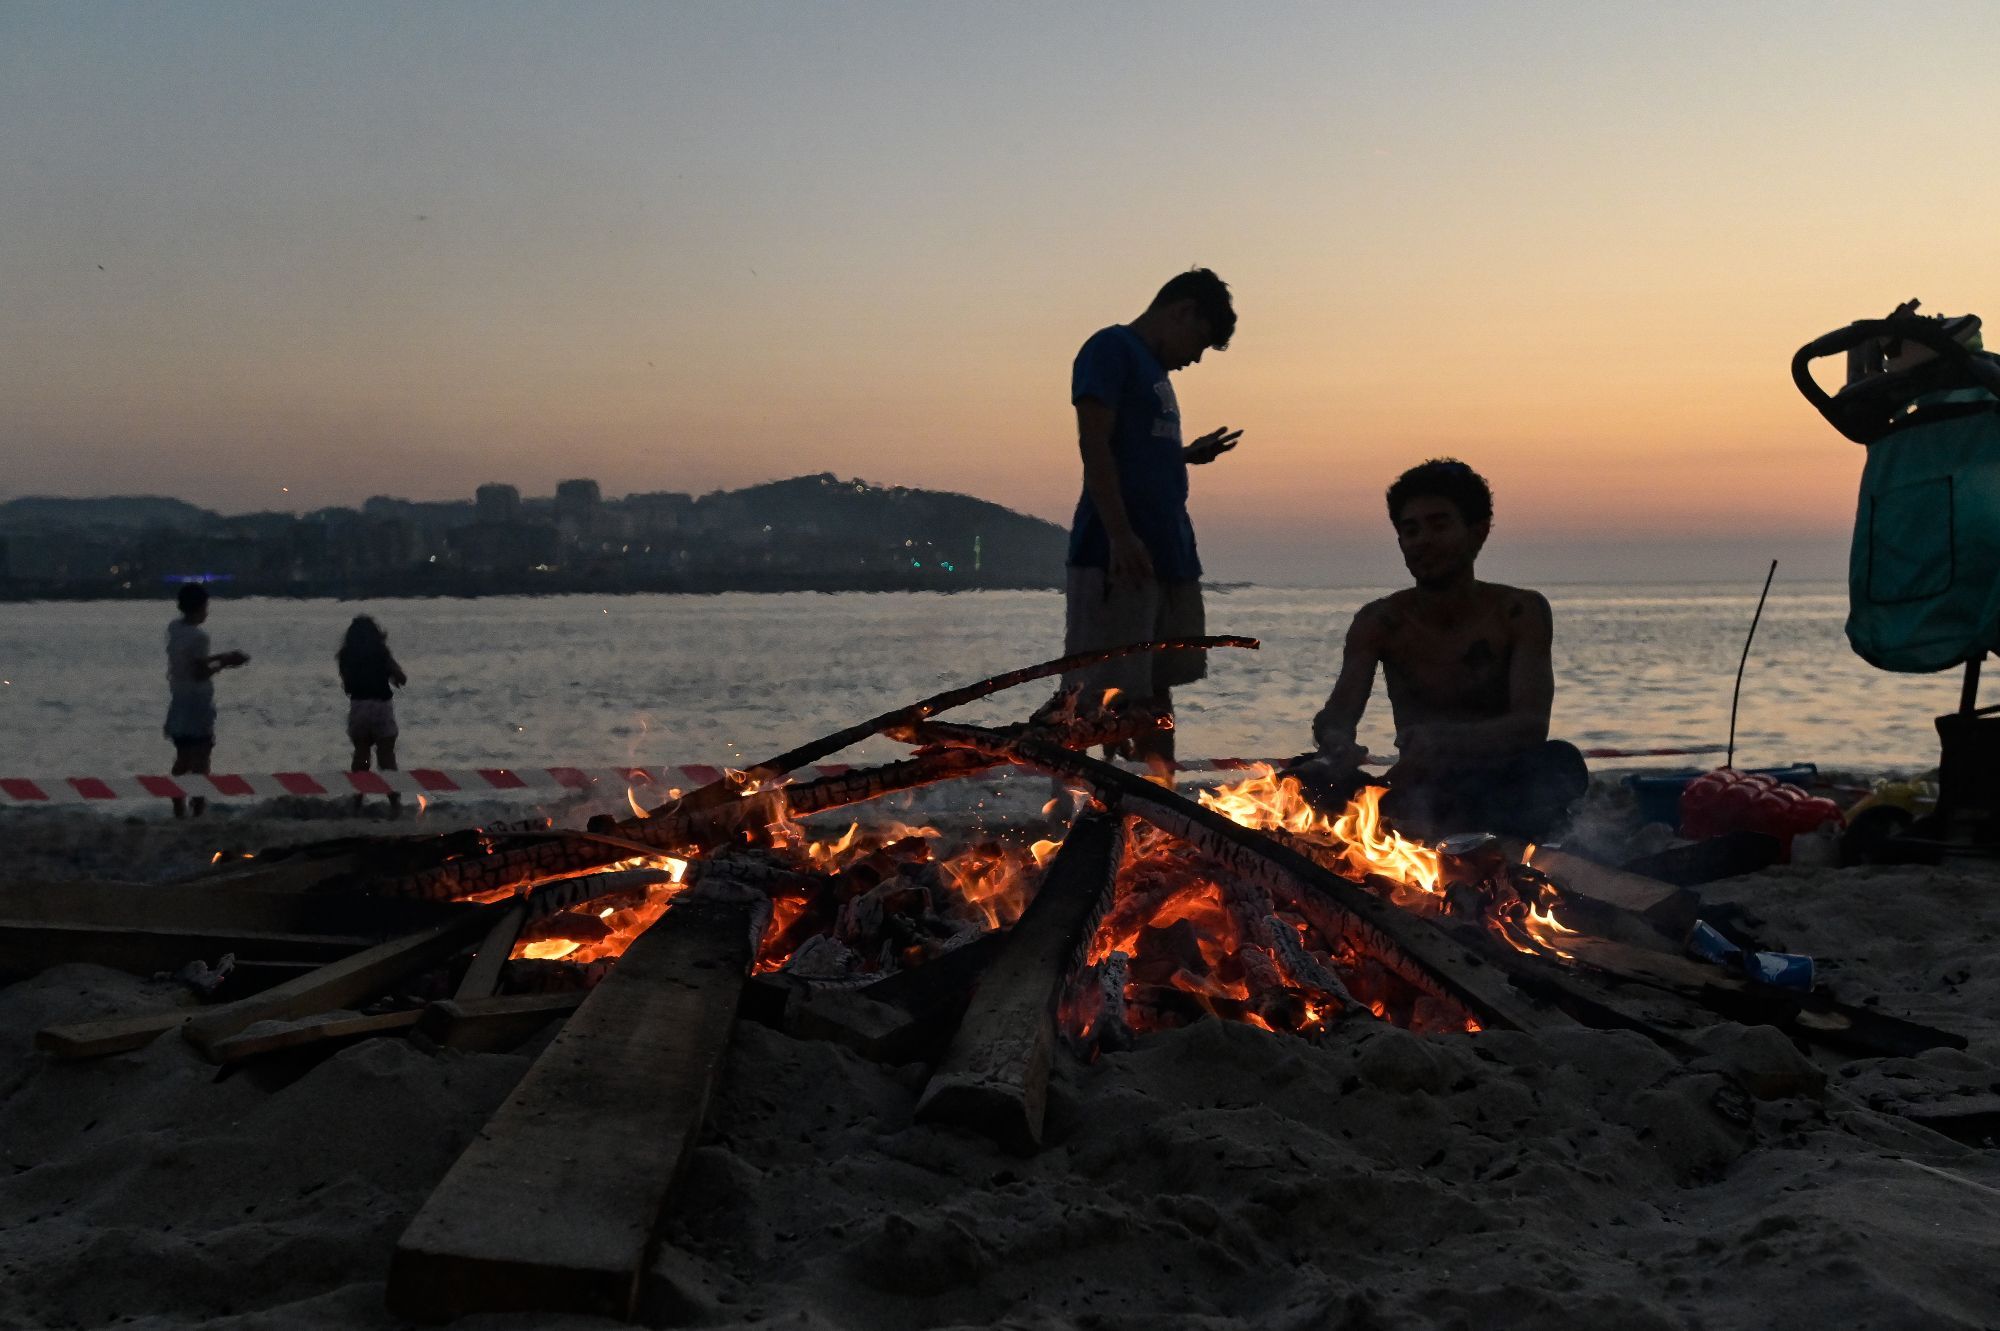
(1116, 368)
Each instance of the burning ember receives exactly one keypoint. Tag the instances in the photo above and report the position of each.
(874, 900)
(606, 925)
(858, 905)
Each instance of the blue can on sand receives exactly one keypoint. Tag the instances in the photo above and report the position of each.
(1786, 970)
(1706, 942)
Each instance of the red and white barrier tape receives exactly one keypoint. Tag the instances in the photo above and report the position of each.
(501, 782)
(481, 781)
(497, 782)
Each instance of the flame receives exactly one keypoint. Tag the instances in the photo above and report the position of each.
(1356, 842)
(608, 930)
(548, 949)
(217, 859)
(637, 810)
(1266, 802)
(1542, 925)
(1374, 849)
(828, 856)
(1043, 851)
(991, 879)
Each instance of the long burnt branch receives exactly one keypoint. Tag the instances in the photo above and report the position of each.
(733, 784)
(558, 854)
(555, 855)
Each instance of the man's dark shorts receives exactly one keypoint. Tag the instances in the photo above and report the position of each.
(1101, 613)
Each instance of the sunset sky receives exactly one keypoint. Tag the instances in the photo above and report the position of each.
(286, 256)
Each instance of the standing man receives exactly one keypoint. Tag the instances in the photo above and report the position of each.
(1471, 681)
(1133, 572)
(191, 687)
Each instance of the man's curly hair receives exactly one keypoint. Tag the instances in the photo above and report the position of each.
(1444, 478)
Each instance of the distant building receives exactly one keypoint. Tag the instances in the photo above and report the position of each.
(497, 503)
(661, 513)
(504, 547)
(577, 511)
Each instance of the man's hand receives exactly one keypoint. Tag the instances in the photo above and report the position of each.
(1335, 744)
(1130, 564)
(1418, 755)
(1210, 446)
(228, 660)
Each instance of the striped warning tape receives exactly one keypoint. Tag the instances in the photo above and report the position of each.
(518, 782)
(521, 782)
(484, 781)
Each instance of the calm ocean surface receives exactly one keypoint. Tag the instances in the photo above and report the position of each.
(530, 681)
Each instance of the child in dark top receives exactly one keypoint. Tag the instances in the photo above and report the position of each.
(191, 671)
(370, 676)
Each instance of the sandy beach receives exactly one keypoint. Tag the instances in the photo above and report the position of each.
(1214, 1176)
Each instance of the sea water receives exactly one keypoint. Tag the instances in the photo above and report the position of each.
(588, 680)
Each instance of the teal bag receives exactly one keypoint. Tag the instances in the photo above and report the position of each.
(1923, 573)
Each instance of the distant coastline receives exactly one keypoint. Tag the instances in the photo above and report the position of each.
(472, 588)
(810, 533)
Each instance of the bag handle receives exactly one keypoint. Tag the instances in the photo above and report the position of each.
(1867, 418)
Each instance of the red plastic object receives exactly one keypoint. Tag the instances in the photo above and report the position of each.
(1726, 800)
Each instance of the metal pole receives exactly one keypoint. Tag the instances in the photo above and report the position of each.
(1736, 694)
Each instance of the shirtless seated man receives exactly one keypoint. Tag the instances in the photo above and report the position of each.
(1470, 680)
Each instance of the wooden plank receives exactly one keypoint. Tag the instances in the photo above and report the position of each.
(360, 976)
(325, 1028)
(1815, 1016)
(994, 1078)
(348, 980)
(1700, 862)
(1614, 887)
(882, 1032)
(482, 977)
(184, 906)
(493, 1024)
(554, 1206)
(109, 1035)
(28, 947)
(292, 872)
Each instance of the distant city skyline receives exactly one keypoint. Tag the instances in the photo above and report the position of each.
(285, 257)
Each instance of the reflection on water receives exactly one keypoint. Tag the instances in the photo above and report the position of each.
(661, 679)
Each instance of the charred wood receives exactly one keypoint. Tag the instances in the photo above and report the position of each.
(923, 710)
(994, 1078)
(1303, 969)
(609, 1114)
(492, 1024)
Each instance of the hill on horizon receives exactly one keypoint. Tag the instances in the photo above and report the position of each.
(123, 512)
